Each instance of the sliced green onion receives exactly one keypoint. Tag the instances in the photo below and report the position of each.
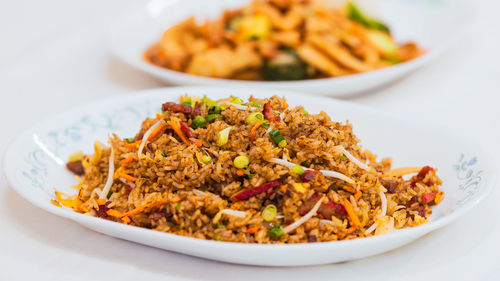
(250, 176)
(223, 136)
(269, 213)
(342, 157)
(276, 136)
(282, 144)
(205, 159)
(211, 117)
(216, 109)
(275, 232)
(298, 170)
(253, 104)
(109, 194)
(265, 126)
(253, 118)
(236, 100)
(186, 101)
(130, 140)
(163, 153)
(241, 162)
(177, 206)
(221, 226)
(303, 111)
(199, 122)
(207, 101)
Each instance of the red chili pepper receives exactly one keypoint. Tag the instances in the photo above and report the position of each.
(245, 194)
(308, 176)
(423, 172)
(185, 130)
(326, 210)
(428, 197)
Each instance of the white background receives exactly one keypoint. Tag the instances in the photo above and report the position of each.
(53, 55)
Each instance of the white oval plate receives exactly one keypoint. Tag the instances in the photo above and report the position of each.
(34, 166)
(432, 23)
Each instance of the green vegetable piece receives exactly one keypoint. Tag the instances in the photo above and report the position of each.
(276, 136)
(254, 117)
(177, 206)
(303, 111)
(265, 126)
(216, 109)
(241, 162)
(383, 42)
(236, 100)
(199, 122)
(205, 100)
(221, 226)
(109, 194)
(298, 170)
(223, 136)
(186, 101)
(163, 153)
(269, 213)
(250, 176)
(355, 14)
(205, 159)
(282, 144)
(253, 104)
(285, 66)
(212, 117)
(392, 60)
(342, 157)
(130, 140)
(275, 232)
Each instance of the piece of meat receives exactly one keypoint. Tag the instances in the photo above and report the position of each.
(268, 112)
(308, 176)
(326, 210)
(75, 167)
(390, 185)
(175, 107)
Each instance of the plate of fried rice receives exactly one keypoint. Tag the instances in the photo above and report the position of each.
(248, 176)
(335, 48)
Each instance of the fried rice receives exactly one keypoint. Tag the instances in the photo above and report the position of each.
(254, 172)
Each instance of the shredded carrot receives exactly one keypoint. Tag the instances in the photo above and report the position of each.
(114, 213)
(403, 171)
(69, 201)
(133, 145)
(240, 173)
(178, 131)
(118, 214)
(198, 143)
(126, 220)
(117, 173)
(127, 160)
(350, 230)
(349, 189)
(156, 131)
(144, 207)
(159, 116)
(357, 195)
(253, 229)
(128, 177)
(352, 213)
(101, 201)
(254, 129)
(285, 105)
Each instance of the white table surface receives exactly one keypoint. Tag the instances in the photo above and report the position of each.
(41, 42)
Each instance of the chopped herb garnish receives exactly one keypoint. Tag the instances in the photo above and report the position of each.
(250, 176)
(265, 126)
(163, 153)
(276, 136)
(130, 140)
(221, 226)
(109, 194)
